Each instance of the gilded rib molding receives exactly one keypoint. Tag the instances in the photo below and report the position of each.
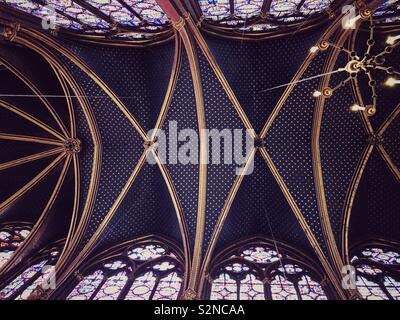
(393, 168)
(222, 218)
(78, 62)
(220, 76)
(30, 242)
(31, 119)
(327, 34)
(41, 45)
(351, 194)
(179, 214)
(176, 67)
(389, 120)
(8, 202)
(27, 159)
(22, 138)
(38, 93)
(75, 210)
(86, 250)
(67, 93)
(201, 208)
(313, 241)
(316, 155)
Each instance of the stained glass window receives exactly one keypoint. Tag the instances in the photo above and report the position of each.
(260, 15)
(283, 289)
(40, 273)
(378, 273)
(260, 272)
(224, 288)
(388, 12)
(215, 9)
(148, 271)
(11, 237)
(136, 19)
(149, 10)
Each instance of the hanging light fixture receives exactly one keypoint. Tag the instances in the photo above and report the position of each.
(362, 64)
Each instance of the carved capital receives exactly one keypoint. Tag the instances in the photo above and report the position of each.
(38, 294)
(179, 25)
(189, 294)
(78, 275)
(10, 32)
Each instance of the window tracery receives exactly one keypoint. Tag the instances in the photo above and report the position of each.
(260, 272)
(11, 237)
(377, 272)
(40, 273)
(148, 271)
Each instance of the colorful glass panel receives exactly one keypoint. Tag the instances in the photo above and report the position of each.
(237, 267)
(382, 256)
(5, 255)
(85, 289)
(371, 277)
(290, 269)
(283, 289)
(259, 27)
(369, 289)
(130, 13)
(260, 255)
(43, 279)
(42, 12)
(224, 288)
(115, 265)
(11, 237)
(367, 269)
(21, 280)
(149, 10)
(116, 11)
(313, 6)
(159, 280)
(251, 288)
(393, 286)
(168, 287)
(112, 288)
(247, 8)
(281, 8)
(146, 252)
(310, 289)
(142, 287)
(215, 9)
(76, 11)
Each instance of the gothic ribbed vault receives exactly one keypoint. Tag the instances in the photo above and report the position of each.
(77, 102)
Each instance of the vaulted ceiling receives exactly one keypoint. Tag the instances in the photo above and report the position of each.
(324, 178)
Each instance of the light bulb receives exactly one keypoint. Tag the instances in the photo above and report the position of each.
(314, 49)
(317, 94)
(392, 39)
(351, 23)
(356, 108)
(391, 82)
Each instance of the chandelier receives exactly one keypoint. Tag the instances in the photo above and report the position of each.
(363, 64)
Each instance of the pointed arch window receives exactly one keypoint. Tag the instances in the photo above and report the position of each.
(11, 237)
(377, 270)
(146, 271)
(40, 273)
(258, 271)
